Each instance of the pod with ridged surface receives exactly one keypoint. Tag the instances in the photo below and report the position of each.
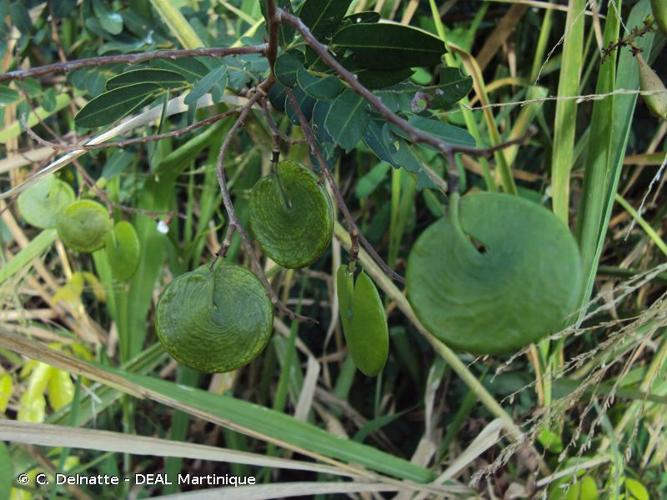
(291, 215)
(495, 274)
(214, 320)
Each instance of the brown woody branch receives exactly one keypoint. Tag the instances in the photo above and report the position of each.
(140, 57)
(355, 235)
(234, 223)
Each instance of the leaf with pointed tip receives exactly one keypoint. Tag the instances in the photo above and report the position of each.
(387, 46)
(164, 78)
(190, 68)
(112, 105)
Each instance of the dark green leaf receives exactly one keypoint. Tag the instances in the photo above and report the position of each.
(277, 96)
(287, 66)
(190, 68)
(7, 95)
(20, 17)
(378, 79)
(453, 87)
(306, 103)
(325, 89)
(323, 16)
(347, 119)
(165, 78)
(286, 34)
(387, 46)
(215, 77)
(444, 131)
(110, 21)
(112, 105)
(49, 100)
(325, 141)
(367, 16)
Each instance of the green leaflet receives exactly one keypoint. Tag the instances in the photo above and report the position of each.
(387, 46)
(291, 215)
(323, 16)
(163, 77)
(40, 203)
(347, 119)
(114, 104)
(364, 321)
(522, 285)
(123, 250)
(83, 225)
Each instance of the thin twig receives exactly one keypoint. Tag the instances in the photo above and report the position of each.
(234, 224)
(352, 227)
(128, 142)
(21, 74)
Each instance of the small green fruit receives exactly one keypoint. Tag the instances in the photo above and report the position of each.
(83, 225)
(123, 250)
(214, 320)
(291, 215)
(364, 321)
(40, 203)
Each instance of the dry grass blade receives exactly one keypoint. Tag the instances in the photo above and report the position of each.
(115, 442)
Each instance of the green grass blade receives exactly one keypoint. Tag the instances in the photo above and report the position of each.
(566, 109)
(38, 245)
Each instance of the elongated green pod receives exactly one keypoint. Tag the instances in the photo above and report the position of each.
(214, 320)
(649, 81)
(123, 250)
(83, 225)
(364, 321)
(291, 215)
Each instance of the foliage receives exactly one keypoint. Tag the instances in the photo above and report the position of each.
(172, 170)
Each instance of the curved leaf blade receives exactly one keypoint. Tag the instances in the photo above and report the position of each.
(112, 105)
(387, 46)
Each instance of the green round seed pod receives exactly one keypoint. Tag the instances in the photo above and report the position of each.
(291, 215)
(364, 321)
(214, 320)
(83, 225)
(649, 81)
(40, 203)
(520, 286)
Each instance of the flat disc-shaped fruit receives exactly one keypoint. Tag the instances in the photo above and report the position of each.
(364, 321)
(291, 215)
(123, 250)
(520, 286)
(40, 203)
(214, 320)
(83, 225)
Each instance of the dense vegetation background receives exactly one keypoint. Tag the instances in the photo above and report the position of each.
(578, 416)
